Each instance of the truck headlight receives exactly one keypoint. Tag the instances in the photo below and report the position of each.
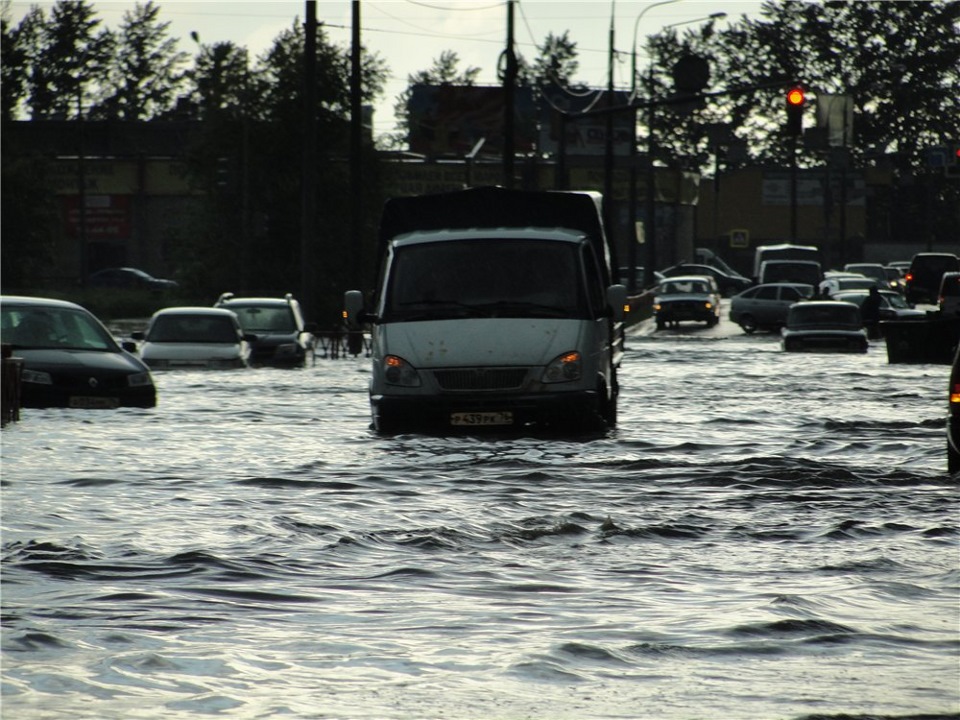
(397, 371)
(564, 368)
(139, 380)
(36, 376)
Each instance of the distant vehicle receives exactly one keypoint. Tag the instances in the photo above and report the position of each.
(765, 307)
(949, 296)
(282, 335)
(127, 278)
(841, 282)
(194, 337)
(923, 277)
(728, 284)
(703, 256)
(871, 270)
(807, 272)
(953, 416)
(70, 359)
(893, 306)
(824, 326)
(687, 297)
(895, 278)
(783, 251)
(639, 275)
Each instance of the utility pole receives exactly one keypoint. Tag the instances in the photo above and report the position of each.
(608, 146)
(356, 141)
(509, 87)
(308, 193)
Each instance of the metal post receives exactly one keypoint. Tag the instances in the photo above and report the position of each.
(356, 138)
(308, 201)
(509, 86)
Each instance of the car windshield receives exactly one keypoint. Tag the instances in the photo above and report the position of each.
(812, 315)
(265, 319)
(51, 327)
(192, 329)
(675, 287)
(485, 278)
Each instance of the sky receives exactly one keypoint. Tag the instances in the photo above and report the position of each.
(410, 34)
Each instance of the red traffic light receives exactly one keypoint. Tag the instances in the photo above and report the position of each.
(795, 97)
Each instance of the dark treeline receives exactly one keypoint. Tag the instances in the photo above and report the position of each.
(898, 62)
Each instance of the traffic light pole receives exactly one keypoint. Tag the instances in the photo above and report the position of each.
(793, 189)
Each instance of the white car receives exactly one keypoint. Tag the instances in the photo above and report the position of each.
(838, 282)
(194, 337)
(765, 306)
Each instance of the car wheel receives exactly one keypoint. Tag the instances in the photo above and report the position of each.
(749, 324)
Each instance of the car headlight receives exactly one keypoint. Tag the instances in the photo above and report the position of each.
(139, 380)
(564, 368)
(36, 376)
(397, 371)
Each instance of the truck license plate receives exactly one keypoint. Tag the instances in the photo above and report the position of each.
(482, 418)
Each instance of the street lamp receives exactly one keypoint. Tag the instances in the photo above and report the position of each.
(650, 224)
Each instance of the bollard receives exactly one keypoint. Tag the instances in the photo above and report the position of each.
(10, 389)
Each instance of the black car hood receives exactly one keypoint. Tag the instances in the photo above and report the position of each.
(93, 360)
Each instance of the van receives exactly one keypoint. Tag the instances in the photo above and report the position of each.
(494, 308)
(949, 301)
(922, 280)
(807, 272)
(783, 251)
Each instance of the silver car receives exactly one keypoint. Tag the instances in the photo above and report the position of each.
(765, 306)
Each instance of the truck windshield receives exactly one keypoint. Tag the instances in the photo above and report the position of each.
(485, 278)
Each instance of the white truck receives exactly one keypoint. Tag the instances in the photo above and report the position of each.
(494, 308)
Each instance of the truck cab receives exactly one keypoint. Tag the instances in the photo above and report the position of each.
(487, 315)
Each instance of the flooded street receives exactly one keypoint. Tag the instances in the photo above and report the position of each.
(763, 536)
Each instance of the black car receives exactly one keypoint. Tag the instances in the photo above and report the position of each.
(728, 284)
(70, 359)
(925, 274)
(953, 416)
(283, 338)
(127, 278)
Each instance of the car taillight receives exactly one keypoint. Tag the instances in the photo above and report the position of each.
(908, 277)
(955, 394)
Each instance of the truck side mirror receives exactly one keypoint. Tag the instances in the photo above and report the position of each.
(353, 313)
(617, 301)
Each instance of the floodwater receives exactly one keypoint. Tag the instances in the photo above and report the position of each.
(763, 536)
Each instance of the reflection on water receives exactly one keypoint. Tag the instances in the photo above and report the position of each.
(763, 536)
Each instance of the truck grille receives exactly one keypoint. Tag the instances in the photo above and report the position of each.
(467, 379)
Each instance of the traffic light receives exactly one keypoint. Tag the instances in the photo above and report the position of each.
(795, 103)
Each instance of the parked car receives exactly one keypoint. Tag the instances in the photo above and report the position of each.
(128, 278)
(194, 337)
(283, 337)
(824, 325)
(839, 282)
(688, 297)
(949, 296)
(727, 283)
(639, 276)
(70, 359)
(893, 306)
(953, 416)
(876, 271)
(925, 273)
(764, 307)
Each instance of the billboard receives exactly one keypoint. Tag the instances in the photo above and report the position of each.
(451, 119)
(586, 136)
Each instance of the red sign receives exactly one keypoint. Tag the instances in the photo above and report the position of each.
(105, 217)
